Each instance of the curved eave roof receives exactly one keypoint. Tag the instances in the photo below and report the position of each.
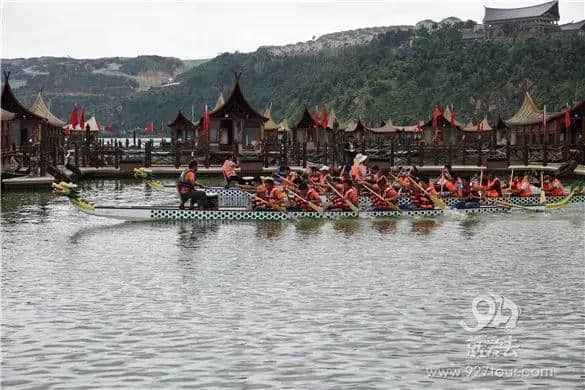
(6, 115)
(528, 114)
(40, 108)
(485, 126)
(237, 101)
(306, 121)
(506, 14)
(9, 102)
(180, 119)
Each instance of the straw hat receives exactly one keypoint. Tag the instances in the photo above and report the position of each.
(360, 158)
(324, 168)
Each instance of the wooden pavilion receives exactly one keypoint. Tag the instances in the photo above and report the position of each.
(529, 21)
(182, 130)
(235, 122)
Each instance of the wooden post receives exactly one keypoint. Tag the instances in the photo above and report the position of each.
(392, 152)
(421, 155)
(508, 150)
(264, 155)
(545, 154)
(116, 156)
(177, 155)
(147, 154)
(450, 155)
(479, 159)
(464, 151)
(408, 162)
(76, 154)
(304, 154)
(525, 154)
(325, 149)
(133, 139)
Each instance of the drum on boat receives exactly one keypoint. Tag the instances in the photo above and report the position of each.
(212, 200)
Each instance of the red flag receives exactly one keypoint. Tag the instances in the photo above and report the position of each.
(149, 127)
(544, 117)
(325, 119)
(162, 127)
(452, 117)
(206, 121)
(479, 126)
(82, 119)
(567, 117)
(436, 114)
(316, 118)
(73, 118)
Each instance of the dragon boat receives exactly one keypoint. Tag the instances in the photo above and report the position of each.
(161, 213)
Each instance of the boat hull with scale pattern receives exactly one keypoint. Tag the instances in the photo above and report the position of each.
(161, 213)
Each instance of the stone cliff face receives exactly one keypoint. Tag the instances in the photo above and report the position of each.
(336, 40)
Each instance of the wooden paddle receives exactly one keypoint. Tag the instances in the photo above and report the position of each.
(439, 203)
(542, 193)
(392, 205)
(347, 202)
(312, 205)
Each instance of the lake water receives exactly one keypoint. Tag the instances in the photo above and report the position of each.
(95, 303)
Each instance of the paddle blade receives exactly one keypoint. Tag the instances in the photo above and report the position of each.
(542, 197)
(155, 185)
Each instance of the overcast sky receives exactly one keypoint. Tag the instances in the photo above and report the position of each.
(203, 29)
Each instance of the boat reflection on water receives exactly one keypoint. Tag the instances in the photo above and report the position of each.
(347, 226)
(270, 229)
(191, 233)
(424, 226)
(309, 227)
(385, 226)
(470, 227)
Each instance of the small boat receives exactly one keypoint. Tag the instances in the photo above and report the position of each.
(160, 213)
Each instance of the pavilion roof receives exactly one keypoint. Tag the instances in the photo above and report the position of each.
(41, 109)
(237, 106)
(528, 114)
(485, 126)
(181, 119)
(9, 102)
(6, 115)
(507, 14)
(573, 26)
(353, 126)
(306, 121)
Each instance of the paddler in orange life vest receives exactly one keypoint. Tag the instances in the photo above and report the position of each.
(314, 176)
(349, 194)
(493, 186)
(524, 187)
(308, 194)
(325, 176)
(418, 199)
(275, 196)
(187, 188)
(468, 196)
(553, 186)
(359, 170)
(447, 182)
(374, 175)
(387, 194)
(260, 193)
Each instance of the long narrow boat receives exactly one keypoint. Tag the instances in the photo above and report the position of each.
(158, 213)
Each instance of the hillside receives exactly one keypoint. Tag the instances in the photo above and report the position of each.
(100, 85)
(394, 76)
(373, 74)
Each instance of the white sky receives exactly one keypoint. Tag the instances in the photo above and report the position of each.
(203, 29)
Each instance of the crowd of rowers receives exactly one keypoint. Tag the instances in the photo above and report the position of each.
(340, 189)
(302, 192)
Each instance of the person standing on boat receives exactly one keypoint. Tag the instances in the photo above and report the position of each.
(229, 170)
(359, 170)
(349, 153)
(187, 188)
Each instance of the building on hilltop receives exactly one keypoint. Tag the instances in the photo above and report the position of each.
(576, 28)
(529, 21)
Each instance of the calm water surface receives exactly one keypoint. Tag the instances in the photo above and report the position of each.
(95, 303)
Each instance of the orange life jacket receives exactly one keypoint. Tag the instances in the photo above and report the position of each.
(558, 189)
(386, 195)
(351, 195)
(526, 191)
(431, 189)
(260, 193)
(491, 191)
(450, 187)
(311, 196)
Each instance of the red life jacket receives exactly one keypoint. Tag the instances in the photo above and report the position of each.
(491, 191)
(260, 193)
